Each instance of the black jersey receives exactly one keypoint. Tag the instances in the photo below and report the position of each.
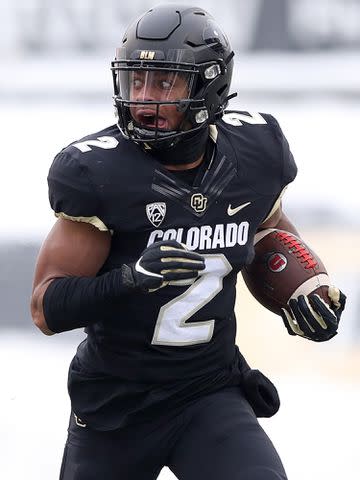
(179, 334)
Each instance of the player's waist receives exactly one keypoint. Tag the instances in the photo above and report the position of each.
(155, 364)
(106, 402)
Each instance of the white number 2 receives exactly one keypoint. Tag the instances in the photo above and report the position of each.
(171, 327)
(236, 119)
(102, 142)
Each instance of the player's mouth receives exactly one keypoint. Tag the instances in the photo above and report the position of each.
(148, 118)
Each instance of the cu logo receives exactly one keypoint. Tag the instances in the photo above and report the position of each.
(198, 202)
(277, 262)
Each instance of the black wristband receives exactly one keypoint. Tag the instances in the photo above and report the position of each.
(76, 302)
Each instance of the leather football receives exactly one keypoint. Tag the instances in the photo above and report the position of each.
(284, 267)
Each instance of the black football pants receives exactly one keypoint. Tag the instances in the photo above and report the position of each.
(215, 438)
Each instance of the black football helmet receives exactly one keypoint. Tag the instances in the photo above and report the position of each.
(171, 56)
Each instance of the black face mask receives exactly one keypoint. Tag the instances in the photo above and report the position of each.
(187, 150)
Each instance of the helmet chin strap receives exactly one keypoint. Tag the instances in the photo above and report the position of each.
(186, 150)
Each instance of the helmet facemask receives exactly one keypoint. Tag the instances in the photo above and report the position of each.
(159, 102)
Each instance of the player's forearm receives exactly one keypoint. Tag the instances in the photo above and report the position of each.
(37, 311)
(73, 302)
(280, 221)
(285, 224)
(76, 302)
(66, 303)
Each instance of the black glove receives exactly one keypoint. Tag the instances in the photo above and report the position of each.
(312, 318)
(161, 263)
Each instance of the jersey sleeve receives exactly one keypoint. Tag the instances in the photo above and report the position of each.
(71, 193)
(289, 168)
(288, 165)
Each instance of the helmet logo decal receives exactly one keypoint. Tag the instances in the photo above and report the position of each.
(147, 55)
(198, 202)
(156, 212)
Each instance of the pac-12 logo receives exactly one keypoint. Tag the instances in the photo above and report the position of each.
(156, 212)
(277, 262)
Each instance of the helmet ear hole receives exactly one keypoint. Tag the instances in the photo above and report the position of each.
(222, 90)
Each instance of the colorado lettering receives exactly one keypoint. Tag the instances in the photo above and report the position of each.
(205, 237)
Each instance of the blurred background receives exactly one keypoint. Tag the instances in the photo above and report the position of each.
(296, 59)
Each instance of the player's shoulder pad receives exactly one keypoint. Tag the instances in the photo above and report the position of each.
(253, 126)
(71, 189)
(94, 145)
(260, 147)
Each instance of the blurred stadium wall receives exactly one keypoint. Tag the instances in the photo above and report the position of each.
(38, 26)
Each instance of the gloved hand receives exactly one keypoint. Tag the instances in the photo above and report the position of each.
(161, 263)
(310, 317)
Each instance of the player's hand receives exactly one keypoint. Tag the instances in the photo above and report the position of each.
(161, 263)
(312, 318)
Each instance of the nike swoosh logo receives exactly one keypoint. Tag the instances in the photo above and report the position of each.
(232, 211)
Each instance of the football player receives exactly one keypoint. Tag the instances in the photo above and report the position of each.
(156, 217)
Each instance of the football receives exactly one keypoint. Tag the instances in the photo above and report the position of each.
(284, 267)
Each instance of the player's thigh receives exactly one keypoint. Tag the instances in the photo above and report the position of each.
(114, 455)
(223, 440)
